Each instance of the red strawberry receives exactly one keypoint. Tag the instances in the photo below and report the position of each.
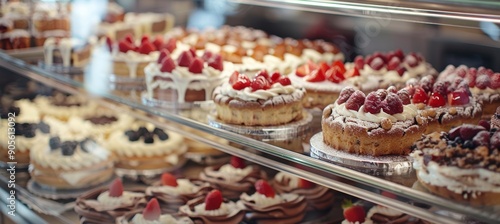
(305, 184)
(353, 213)
(207, 55)
(167, 65)
(196, 66)
(284, 81)
(146, 47)
(168, 179)
(116, 188)
(128, 38)
(323, 66)
(109, 43)
(124, 46)
(302, 71)
(437, 100)
(192, 51)
(213, 200)
(238, 162)
(216, 62)
(163, 54)
(260, 82)
(262, 73)
(377, 63)
(185, 59)
(359, 62)
(171, 44)
(241, 82)
(275, 77)
(420, 96)
(334, 75)
(158, 42)
(351, 73)
(264, 188)
(144, 38)
(339, 65)
(152, 212)
(316, 76)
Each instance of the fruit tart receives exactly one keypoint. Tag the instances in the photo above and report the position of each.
(146, 147)
(318, 198)
(152, 213)
(104, 205)
(233, 178)
(267, 99)
(213, 209)
(384, 122)
(187, 78)
(265, 206)
(174, 192)
(483, 83)
(445, 104)
(462, 165)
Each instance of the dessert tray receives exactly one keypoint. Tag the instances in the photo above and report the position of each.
(58, 194)
(278, 132)
(380, 165)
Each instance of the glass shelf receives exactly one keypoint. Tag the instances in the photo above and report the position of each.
(339, 178)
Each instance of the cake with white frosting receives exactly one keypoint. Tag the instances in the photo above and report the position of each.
(145, 147)
(151, 23)
(15, 39)
(63, 107)
(267, 99)
(185, 78)
(66, 52)
(18, 13)
(384, 122)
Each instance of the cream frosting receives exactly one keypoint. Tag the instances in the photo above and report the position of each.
(65, 47)
(382, 210)
(16, 10)
(409, 112)
(132, 60)
(488, 90)
(225, 209)
(456, 179)
(235, 174)
(261, 200)
(247, 94)
(184, 186)
(110, 203)
(163, 219)
(47, 108)
(315, 56)
(22, 143)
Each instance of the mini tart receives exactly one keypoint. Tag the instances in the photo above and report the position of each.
(64, 107)
(445, 103)
(318, 198)
(171, 198)
(276, 105)
(465, 169)
(232, 181)
(484, 84)
(228, 213)
(97, 206)
(282, 208)
(71, 163)
(186, 78)
(146, 148)
(365, 133)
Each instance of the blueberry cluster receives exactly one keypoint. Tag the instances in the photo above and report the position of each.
(4, 111)
(28, 130)
(146, 135)
(68, 147)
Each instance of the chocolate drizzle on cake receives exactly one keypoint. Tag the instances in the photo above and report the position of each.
(146, 135)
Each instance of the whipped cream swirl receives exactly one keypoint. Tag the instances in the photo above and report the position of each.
(126, 199)
(247, 94)
(409, 112)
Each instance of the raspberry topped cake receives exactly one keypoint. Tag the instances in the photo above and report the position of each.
(483, 83)
(152, 213)
(265, 206)
(384, 122)
(318, 198)
(267, 99)
(233, 178)
(446, 104)
(462, 164)
(187, 78)
(174, 192)
(213, 209)
(104, 205)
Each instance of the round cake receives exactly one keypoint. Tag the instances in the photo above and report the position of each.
(382, 123)
(462, 165)
(265, 100)
(63, 107)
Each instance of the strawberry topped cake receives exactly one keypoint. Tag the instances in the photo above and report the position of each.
(233, 178)
(213, 209)
(267, 99)
(152, 213)
(462, 164)
(384, 122)
(105, 205)
(445, 103)
(265, 206)
(174, 192)
(356, 214)
(187, 78)
(483, 83)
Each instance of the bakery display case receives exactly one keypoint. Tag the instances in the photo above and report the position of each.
(249, 97)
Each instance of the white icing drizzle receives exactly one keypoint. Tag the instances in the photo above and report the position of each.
(16, 10)
(315, 56)
(263, 201)
(225, 209)
(409, 112)
(163, 219)
(247, 94)
(235, 174)
(14, 34)
(132, 59)
(110, 203)
(382, 210)
(184, 186)
(65, 47)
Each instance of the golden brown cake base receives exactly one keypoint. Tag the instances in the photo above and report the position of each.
(172, 96)
(489, 108)
(367, 138)
(122, 69)
(480, 199)
(319, 99)
(444, 119)
(278, 110)
(99, 173)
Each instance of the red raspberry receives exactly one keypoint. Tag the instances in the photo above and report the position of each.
(411, 60)
(359, 62)
(373, 103)
(356, 100)
(404, 96)
(441, 87)
(393, 64)
(377, 63)
(483, 81)
(392, 104)
(437, 100)
(495, 81)
(420, 96)
(345, 94)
